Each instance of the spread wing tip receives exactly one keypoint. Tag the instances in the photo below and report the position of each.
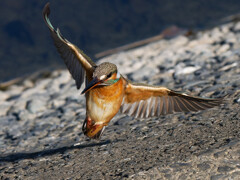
(76, 61)
(165, 101)
(223, 99)
(46, 13)
(46, 10)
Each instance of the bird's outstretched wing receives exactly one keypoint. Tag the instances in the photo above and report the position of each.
(143, 101)
(76, 61)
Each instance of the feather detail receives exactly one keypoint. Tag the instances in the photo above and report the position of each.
(145, 101)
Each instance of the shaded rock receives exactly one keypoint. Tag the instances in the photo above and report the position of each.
(7, 121)
(217, 177)
(223, 169)
(203, 166)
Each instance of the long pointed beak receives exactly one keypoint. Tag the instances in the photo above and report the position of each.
(91, 85)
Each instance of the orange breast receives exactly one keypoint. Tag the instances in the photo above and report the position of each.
(103, 102)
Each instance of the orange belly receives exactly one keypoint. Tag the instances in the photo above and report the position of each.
(103, 102)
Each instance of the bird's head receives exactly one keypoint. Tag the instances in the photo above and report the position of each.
(105, 74)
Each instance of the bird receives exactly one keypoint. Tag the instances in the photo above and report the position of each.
(107, 91)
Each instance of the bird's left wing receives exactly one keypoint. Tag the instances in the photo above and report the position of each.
(143, 101)
(76, 61)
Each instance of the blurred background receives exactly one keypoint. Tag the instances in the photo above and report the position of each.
(94, 26)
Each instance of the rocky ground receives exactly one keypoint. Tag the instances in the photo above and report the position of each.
(41, 119)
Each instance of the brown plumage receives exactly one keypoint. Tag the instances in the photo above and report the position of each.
(107, 91)
(148, 101)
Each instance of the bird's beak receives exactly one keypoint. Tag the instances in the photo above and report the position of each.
(91, 85)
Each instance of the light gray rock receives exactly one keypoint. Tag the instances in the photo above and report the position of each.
(15, 90)
(36, 105)
(4, 108)
(3, 96)
(181, 70)
(7, 121)
(237, 27)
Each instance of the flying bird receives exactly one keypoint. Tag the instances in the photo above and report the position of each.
(107, 92)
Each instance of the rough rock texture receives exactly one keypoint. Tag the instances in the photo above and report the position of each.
(40, 121)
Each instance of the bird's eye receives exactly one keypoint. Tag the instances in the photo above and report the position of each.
(109, 75)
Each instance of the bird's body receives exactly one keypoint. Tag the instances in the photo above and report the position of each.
(103, 103)
(107, 91)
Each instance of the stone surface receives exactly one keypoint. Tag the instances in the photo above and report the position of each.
(41, 119)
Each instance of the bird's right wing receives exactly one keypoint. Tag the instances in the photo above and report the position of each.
(76, 61)
(145, 101)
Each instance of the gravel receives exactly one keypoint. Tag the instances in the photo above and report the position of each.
(40, 121)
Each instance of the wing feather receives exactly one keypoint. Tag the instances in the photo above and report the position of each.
(156, 104)
(170, 107)
(148, 101)
(76, 61)
(162, 106)
(140, 106)
(176, 106)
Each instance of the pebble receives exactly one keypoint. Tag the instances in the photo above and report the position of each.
(224, 169)
(203, 166)
(224, 48)
(185, 70)
(217, 177)
(228, 67)
(36, 105)
(4, 108)
(15, 90)
(3, 96)
(7, 121)
(238, 100)
(237, 27)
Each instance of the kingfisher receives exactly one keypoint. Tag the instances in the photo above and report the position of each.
(107, 92)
